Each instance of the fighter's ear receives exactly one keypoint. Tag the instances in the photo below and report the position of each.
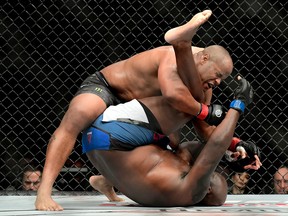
(209, 190)
(204, 58)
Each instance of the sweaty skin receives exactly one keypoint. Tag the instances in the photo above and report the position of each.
(136, 172)
(152, 176)
(150, 73)
(170, 119)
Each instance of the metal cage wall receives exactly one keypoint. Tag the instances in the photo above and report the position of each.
(49, 47)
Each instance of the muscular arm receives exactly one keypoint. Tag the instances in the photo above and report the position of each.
(173, 88)
(211, 155)
(203, 129)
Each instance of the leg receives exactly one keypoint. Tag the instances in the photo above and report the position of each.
(186, 32)
(82, 111)
(101, 184)
(181, 37)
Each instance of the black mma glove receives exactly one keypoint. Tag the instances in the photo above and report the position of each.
(212, 114)
(238, 164)
(243, 96)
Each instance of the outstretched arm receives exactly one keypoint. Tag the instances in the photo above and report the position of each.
(218, 143)
(211, 155)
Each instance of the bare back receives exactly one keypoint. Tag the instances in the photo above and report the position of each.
(147, 168)
(137, 77)
(170, 119)
(152, 176)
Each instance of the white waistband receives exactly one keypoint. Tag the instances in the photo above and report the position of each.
(129, 110)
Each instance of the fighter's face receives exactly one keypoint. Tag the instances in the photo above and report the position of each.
(211, 75)
(216, 192)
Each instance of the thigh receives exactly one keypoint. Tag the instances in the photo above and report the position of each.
(92, 98)
(82, 111)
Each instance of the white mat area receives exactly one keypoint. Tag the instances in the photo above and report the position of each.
(236, 205)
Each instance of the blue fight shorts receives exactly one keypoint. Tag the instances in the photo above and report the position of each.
(117, 135)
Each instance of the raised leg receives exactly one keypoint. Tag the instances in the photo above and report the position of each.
(185, 33)
(180, 38)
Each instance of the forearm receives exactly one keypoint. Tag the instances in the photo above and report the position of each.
(218, 142)
(182, 100)
(213, 151)
(212, 114)
(203, 129)
(173, 88)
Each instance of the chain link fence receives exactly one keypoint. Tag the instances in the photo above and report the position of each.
(49, 47)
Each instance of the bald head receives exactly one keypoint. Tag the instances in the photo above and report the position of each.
(217, 193)
(221, 57)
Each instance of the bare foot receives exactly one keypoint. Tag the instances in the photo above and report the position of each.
(46, 203)
(186, 32)
(101, 184)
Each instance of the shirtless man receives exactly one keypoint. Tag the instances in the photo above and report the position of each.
(147, 74)
(152, 176)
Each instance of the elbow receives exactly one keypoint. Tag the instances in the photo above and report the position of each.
(169, 94)
(181, 94)
(176, 100)
(182, 101)
(177, 95)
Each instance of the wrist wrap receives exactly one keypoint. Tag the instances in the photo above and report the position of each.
(203, 112)
(238, 105)
(233, 144)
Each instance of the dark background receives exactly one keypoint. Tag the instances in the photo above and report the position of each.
(49, 47)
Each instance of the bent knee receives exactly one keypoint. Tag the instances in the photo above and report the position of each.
(79, 117)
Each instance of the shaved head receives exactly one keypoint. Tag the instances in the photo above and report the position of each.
(217, 193)
(221, 56)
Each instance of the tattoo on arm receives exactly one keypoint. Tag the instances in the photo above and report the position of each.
(53, 137)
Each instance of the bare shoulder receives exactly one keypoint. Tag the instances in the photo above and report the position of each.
(158, 51)
(197, 49)
(152, 57)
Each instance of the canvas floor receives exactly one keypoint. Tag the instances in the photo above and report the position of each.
(84, 205)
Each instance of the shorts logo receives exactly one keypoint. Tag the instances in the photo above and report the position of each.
(89, 137)
(98, 89)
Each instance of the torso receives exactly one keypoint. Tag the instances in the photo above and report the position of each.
(147, 169)
(136, 77)
(170, 119)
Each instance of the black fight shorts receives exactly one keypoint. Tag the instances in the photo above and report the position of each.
(97, 84)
